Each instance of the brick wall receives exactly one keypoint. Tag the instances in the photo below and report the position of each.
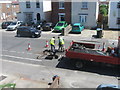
(56, 10)
(9, 11)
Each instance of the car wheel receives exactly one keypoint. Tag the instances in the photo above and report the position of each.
(33, 36)
(79, 64)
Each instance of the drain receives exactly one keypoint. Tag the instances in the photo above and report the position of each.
(2, 77)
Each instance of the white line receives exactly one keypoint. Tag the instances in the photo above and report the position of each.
(20, 63)
(4, 50)
(19, 52)
(21, 58)
(12, 51)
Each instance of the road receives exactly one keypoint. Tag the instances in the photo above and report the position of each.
(16, 59)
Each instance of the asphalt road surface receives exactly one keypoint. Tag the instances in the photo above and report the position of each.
(16, 59)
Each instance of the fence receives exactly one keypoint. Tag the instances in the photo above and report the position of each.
(66, 30)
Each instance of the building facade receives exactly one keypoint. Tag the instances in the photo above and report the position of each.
(33, 10)
(61, 11)
(114, 15)
(85, 13)
(75, 11)
(8, 10)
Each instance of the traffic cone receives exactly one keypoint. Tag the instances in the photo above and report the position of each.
(71, 42)
(29, 48)
(103, 49)
(46, 44)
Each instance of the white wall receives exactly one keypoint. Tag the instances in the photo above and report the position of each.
(113, 14)
(33, 9)
(92, 13)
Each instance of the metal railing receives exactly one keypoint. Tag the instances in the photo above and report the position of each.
(66, 30)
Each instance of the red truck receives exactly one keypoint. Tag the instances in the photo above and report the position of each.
(83, 53)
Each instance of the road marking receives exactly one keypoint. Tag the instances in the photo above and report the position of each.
(21, 58)
(20, 52)
(12, 51)
(21, 63)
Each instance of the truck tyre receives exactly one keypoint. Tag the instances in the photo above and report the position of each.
(79, 64)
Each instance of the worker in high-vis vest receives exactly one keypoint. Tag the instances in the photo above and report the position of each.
(52, 43)
(61, 44)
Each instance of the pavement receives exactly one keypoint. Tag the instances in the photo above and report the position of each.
(26, 75)
(23, 82)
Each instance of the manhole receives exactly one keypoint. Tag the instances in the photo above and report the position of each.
(2, 77)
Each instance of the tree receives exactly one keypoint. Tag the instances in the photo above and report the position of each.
(104, 10)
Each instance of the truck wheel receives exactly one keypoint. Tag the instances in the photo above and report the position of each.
(79, 64)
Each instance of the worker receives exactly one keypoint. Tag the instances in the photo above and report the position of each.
(61, 44)
(52, 43)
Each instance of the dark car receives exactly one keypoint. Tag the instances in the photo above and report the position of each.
(28, 32)
(108, 87)
(47, 26)
(5, 24)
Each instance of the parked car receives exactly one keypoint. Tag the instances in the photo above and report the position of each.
(77, 28)
(28, 31)
(47, 26)
(14, 25)
(60, 25)
(5, 24)
(108, 87)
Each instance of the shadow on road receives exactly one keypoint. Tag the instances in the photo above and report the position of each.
(102, 70)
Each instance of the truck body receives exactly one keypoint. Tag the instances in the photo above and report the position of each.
(86, 52)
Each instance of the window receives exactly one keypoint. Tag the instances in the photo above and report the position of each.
(118, 21)
(61, 5)
(8, 5)
(14, 6)
(83, 18)
(84, 5)
(27, 4)
(14, 13)
(118, 5)
(61, 16)
(37, 4)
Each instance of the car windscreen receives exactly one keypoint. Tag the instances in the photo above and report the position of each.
(60, 24)
(32, 29)
(14, 23)
(75, 27)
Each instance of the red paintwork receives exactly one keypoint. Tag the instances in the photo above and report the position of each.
(91, 57)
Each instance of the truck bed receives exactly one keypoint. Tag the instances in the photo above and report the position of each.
(87, 52)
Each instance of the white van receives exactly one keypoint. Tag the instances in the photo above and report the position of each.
(14, 25)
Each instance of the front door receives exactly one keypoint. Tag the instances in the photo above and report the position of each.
(38, 17)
